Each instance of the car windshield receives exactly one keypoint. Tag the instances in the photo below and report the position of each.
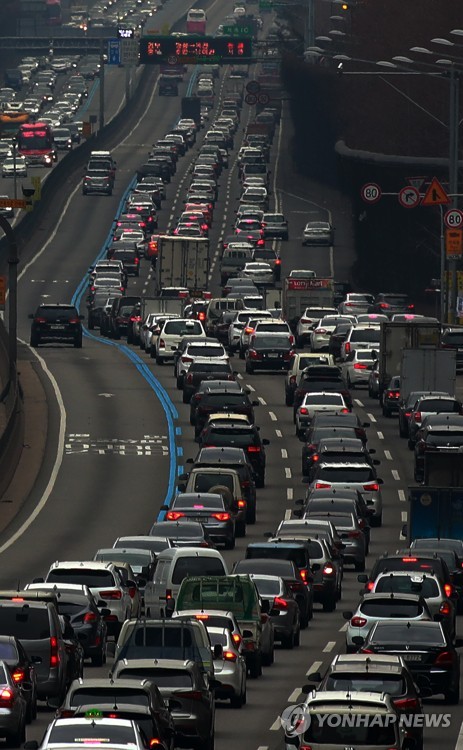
(438, 406)
(445, 439)
(109, 695)
(274, 218)
(278, 552)
(182, 328)
(391, 608)
(271, 342)
(218, 367)
(196, 566)
(368, 682)
(51, 313)
(267, 586)
(350, 734)
(163, 678)
(454, 338)
(82, 576)
(8, 651)
(225, 400)
(346, 474)
(408, 584)
(24, 622)
(323, 398)
(92, 732)
(230, 436)
(397, 299)
(132, 558)
(366, 334)
(408, 634)
(204, 482)
(198, 502)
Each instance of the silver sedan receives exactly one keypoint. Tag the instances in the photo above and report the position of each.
(229, 666)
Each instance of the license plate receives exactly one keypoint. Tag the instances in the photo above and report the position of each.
(55, 327)
(412, 657)
(273, 356)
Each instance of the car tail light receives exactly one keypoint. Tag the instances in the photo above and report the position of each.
(305, 747)
(132, 591)
(54, 656)
(90, 617)
(39, 320)
(6, 697)
(136, 261)
(202, 316)
(288, 355)
(370, 586)
(347, 347)
(168, 593)
(345, 410)
(393, 394)
(410, 559)
(366, 651)
(303, 410)
(316, 457)
(135, 318)
(448, 588)
(445, 609)
(305, 321)
(322, 485)
(406, 703)
(416, 415)
(193, 695)
(187, 359)
(296, 586)
(248, 330)
(328, 570)
(354, 534)
(65, 713)
(410, 307)
(445, 658)
(162, 344)
(221, 516)
(320, 330)
(374, 487)
(358, 622)
(114, 594)
(304, 575)
(253, 448)
(279, 603)
(189, 377)
(360, 366)
(408, 414)
(74, 320)
(174, 515)
(254, 355)
(236, 638)
(229, 656)
(384, 305)
(241, 504)
(18, 675)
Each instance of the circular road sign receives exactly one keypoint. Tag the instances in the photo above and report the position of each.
(263, 98)
(253, 87)
(453, 219)
(409, 197)
(250, 99)
(371, 192)
(172, 60)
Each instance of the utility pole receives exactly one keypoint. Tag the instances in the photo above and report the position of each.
(454, 125)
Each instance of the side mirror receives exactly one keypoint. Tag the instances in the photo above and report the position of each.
(248, 634)
(181, 487)
(254, 403)
(376, 462)
(265, 441)
(362, 578)
(347, 615)
(31, 317)
(218, 651)
(404, 531)
(130, 584)
(358, 640)
(105, 612)
(298, 513)
(366, 424)
(458, 642)
(265, 607)
(314, 677)
(214, 684)
(268, 534)
(36, 659)
(372, 451)
(379, 480)
(31, 745)
(300, 501)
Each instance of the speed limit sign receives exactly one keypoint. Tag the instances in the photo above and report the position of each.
(453, 219)
(371, 192)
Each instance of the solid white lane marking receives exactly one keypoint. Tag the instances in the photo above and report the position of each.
(388, 455)
(380, 435)
(329, 647)
(401, 495)
(294, 695)
(58, 458)
(289, 493)
(314, 668)
(261, 401)
(395, 474)
(273, 416)
(276, 725)
(284, 453)
(287, 472)
(371, 417)
(278, 433)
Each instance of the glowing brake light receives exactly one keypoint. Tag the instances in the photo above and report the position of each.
(303, 410)
(54, 655)
(241, 504)
(229, 656)
(322, 485)
(347, 347)
(445, 609)
(236, 638)
(358, 622)
(371, 487)
(406, 703)
(416, 415)
(448, 588)
(328, 570)
(370, 585)
(220, 516)
(6, 697)
(18, 675)
(253, 448)
(304, 574)
(384, 305)
(360, 366)
(90, 617)
(279, 603)
(174, 515)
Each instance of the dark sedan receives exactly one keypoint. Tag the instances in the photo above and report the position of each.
(214, 511)
(224, 400)
(275, 226)
(238, 435)
(203, 369)
(270, 351)
(208, 386)
(391, 304)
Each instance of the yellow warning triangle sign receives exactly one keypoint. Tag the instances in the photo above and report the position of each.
(435, 195)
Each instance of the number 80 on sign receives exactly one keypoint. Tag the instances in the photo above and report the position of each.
(453, 219)
(371, 192)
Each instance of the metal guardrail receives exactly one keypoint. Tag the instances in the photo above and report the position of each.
(82, 43)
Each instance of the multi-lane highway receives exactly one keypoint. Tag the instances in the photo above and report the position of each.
(115, 445)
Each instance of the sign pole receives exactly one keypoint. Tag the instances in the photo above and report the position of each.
(128, 75)
(443, 279)
(454, 125)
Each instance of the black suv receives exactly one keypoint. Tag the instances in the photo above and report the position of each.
(60, 323)
(391, 304)
(238, 435)
(119, 319)
(225, 400)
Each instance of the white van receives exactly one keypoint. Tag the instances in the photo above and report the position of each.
(173, 565)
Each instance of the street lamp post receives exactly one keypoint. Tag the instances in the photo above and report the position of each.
(13, 261)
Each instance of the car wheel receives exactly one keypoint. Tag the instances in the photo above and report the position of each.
(249, 369)
(410, 444)
(180, 380)
(289, 398)
(78, 343)
(159, 360)
(287, 641)
(186, 397)
(152, 352)
(329, 605)
(452, 697)
(236, 701)
(402, 430)
(251, 514)
(376, 520)
(100, 658)
(14, 739)
(386, 412)
(241, 353)
(90, 323)
(240, 528)
(230, 544)
(255, 668)
(297, 637)
(34, 341)
(268, 659)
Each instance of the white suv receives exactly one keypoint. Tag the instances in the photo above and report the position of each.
(194, 350)
(308, 320)
(105, 583)
(171, 334)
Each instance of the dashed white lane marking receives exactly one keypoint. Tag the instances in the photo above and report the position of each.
(314, 668)
(262, 747)
(329, 647)
(343, 628)
(272, 416)
(401, 495)
(284, 453)
(388, 455)
(287, 472)
(276, 725)
(261, 401)
(289, 493)
(294, 695)
(358, 402)
(239, 376)
(278, 433)
(250, 388)
(395, 474)
(459, 745)
(404, 516)
(288, 514)
(371, 417)
(380, 435)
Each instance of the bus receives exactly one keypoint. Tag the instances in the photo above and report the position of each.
(35, 142)
(53, 12)
(196, 21)
(10, 122)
